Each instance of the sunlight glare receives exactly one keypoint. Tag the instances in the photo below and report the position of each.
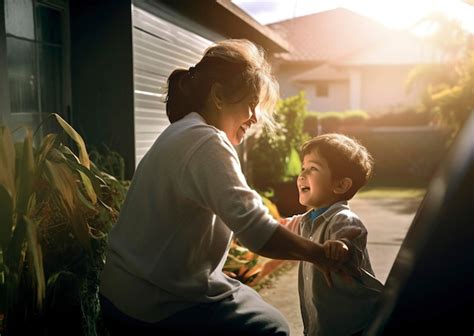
(397, 14)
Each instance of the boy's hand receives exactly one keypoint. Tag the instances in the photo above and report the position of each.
(336, 250)
(332, 265)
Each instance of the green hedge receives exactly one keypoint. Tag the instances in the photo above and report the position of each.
(317, 122)
(403, 155)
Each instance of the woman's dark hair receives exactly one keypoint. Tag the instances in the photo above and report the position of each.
(241, 69)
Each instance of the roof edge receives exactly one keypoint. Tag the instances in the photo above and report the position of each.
(261, 29)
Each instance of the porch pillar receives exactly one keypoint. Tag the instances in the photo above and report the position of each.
(355, 89)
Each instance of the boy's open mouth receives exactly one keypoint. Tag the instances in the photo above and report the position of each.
(304, 189)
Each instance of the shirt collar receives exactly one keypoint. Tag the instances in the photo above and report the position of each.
(326, 212)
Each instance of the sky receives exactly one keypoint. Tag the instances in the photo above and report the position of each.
(397, 14)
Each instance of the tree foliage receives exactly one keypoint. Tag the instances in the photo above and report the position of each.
(273, 157)
(449, 86)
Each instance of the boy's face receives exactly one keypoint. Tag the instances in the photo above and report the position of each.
(315, 182)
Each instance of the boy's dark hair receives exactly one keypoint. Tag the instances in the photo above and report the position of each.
(346, 157)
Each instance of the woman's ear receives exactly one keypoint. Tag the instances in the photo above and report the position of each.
(216, 95)
(341, 186)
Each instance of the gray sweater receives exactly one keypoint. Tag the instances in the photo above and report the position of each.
(187, 197)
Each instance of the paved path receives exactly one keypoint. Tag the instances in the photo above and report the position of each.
(387, 221)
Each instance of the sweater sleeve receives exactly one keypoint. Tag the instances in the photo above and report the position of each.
(212, 178)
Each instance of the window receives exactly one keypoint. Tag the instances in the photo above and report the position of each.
(34, 56)
(322, 89)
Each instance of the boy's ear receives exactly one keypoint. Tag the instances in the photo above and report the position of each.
(216, 95)
(341, 186)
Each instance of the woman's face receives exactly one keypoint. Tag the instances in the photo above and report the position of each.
(237, 118)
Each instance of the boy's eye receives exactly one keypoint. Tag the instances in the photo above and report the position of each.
(309, 168)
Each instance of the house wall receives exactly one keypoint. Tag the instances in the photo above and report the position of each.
(160, 47)
(4, 97)
(384, 87)
(284, 73)
(376, 89)
(337, 99)
(102, 75)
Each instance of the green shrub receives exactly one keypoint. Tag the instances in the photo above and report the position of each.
(311, 124)
(355, 118)
(109, 161)
(333, 121)
(272, 156)
(405, 156)
(401, 118)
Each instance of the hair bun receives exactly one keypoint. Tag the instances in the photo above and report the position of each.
(192, 71)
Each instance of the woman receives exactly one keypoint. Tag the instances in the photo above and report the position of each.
(188, 196)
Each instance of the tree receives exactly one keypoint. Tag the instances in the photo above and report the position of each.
(448, 94)
(273, 156)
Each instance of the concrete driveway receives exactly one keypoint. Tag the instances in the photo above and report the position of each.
(387, 221)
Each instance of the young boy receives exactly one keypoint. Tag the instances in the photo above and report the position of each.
(334, 168)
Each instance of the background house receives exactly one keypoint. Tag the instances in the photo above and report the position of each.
(102, 65)
(345, 61)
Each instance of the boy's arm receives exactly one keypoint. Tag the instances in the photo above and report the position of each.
(284, 244)
(338, 229)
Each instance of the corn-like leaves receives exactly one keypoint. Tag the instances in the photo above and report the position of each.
(36, 259)
(83, 156)
(7, 161)
(6, 217)
(64, 182)
(68, 191)
(89, 180)
(89, 188)
(47, 145)
(14, 256)
(26, 175)
(81, 229)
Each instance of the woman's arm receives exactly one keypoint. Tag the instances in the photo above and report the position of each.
(284, 244)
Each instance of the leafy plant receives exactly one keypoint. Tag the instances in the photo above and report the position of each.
(56, 209)
(243, 264)
(448, 86)
(272, 158)
(333, 121)
(109, 161)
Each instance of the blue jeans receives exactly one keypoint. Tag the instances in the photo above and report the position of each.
(243, 313)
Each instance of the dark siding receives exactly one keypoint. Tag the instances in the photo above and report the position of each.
(102, 75)
(4, 97)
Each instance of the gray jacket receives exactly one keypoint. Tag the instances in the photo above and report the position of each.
(345, 308)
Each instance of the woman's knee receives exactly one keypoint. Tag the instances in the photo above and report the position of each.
(251, 315)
